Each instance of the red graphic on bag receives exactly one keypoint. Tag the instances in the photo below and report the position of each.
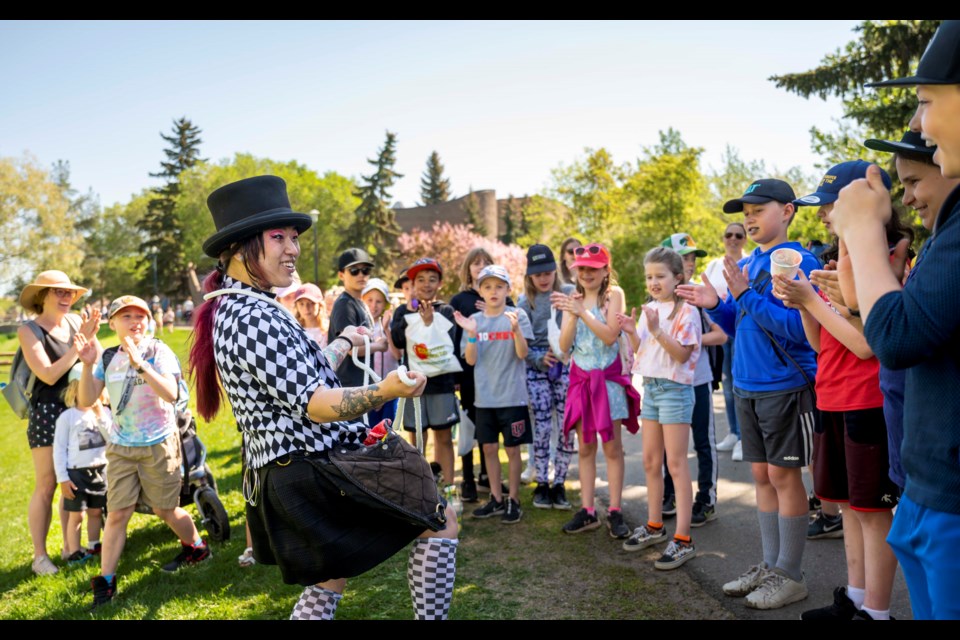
(421, 351)
(377, 433)
(518, 427)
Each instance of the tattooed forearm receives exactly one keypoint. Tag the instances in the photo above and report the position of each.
(336, 351)
(358, 401)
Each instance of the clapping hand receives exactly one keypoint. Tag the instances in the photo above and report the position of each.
(628, 324)
(703, 296)
(467, 324)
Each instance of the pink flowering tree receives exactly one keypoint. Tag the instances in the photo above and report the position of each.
(449, 244)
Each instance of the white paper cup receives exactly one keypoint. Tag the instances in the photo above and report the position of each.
(785, 262)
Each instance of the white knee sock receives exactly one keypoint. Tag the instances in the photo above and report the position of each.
(316, 603)
(430, 574)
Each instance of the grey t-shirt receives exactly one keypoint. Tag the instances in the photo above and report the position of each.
(500, 376)
(539, 316)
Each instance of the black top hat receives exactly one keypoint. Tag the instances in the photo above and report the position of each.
(940, 63)
(242, 208)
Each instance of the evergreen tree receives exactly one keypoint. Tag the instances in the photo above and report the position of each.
(375, 227)
(885, 49)
(434, 188)
(474, 216)
(164, 243)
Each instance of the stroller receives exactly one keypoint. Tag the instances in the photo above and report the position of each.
(199, 486)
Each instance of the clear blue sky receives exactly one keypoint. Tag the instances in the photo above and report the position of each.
(503, 103)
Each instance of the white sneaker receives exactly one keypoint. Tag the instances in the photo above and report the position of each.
(777, 590)
(747, 581)
(728, 443)
(43, 566)
(527, 475)
(737, 452)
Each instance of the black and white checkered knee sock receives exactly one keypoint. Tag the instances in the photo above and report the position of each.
(430, 573)
(316, 603)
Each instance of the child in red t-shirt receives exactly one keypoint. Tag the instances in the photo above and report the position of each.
(850, 452)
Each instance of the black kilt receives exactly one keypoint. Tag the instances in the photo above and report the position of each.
(304, 524)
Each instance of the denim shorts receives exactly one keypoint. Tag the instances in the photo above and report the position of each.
(666, 401)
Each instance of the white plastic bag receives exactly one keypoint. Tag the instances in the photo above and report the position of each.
(430, 349)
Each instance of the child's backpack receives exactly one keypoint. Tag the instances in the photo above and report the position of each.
(714, 353)
(19, 390)
(22, 380)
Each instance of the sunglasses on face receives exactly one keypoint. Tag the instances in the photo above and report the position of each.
(355, 271)
(569, 251)
(582, 251)
(738, 236)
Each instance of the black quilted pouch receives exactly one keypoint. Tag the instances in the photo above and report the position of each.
(390, 476)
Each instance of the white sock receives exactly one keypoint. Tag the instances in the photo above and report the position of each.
(856, 596)
(878, 615)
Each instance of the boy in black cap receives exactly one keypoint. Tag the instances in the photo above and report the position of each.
(773, 367)
(917, 328)
(354, 267)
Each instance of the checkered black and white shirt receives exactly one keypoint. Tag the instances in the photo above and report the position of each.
(270, 368)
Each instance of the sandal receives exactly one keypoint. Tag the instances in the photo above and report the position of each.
(247, 559)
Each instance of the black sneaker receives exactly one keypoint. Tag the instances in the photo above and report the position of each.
(813, 502)
(823, 526)
(677, 553)
(189, 554)
(669, 508)
(618, 528)
(512, 513)
(78, 557)
(103, 591)
(582, 521)
(541, 496)
(491, 508)
(702, 514)
(468, 491)
(558, 496)
(841, 609)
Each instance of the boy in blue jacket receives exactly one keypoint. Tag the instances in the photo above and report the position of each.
(774, 368)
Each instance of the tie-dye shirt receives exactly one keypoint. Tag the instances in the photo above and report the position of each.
(146, 419)
(653, 361)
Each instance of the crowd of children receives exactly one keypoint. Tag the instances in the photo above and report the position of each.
(811, 382)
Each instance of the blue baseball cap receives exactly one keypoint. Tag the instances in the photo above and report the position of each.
(493, 271)
(837, 178)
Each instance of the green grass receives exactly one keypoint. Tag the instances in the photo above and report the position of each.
(529, 570)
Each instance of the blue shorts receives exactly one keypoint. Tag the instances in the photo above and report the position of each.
(925, 542)
(666, 401)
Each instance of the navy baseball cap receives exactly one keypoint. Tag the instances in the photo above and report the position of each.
(940, 63)
(911, 142)
(759, 192)
(540, 260)
(837, 178)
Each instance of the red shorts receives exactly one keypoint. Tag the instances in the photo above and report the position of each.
(851, 462)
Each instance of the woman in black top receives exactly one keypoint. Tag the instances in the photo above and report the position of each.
(47, 344)
(292, 411)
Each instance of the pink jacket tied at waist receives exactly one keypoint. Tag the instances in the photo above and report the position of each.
(587, 400)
